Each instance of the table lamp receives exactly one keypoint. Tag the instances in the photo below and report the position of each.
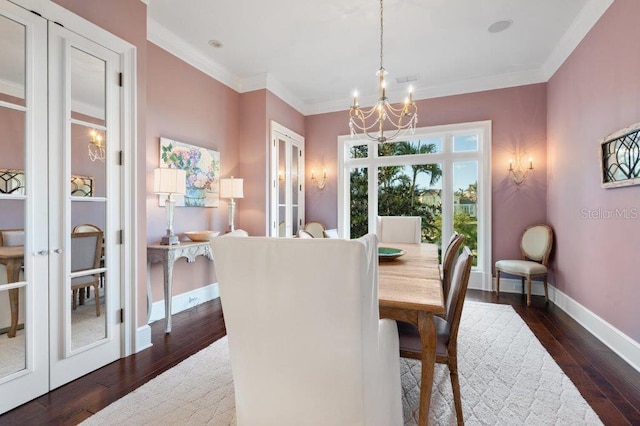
(231, 188)
(169, 182)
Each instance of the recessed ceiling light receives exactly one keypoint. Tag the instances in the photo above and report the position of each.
(215, 43)
(500, 26)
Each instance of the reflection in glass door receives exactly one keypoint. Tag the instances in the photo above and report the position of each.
(84, 147)
(23, 206)
(287, 177)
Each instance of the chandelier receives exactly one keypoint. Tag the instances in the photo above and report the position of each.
(96, 146)
(368, 124)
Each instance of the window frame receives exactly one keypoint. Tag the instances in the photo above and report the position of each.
(481, 274)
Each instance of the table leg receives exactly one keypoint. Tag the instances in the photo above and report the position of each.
(13, 275)
(168, 280)
(428, 337)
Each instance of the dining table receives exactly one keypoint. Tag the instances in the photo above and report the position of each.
(12, 257)
(410, 290)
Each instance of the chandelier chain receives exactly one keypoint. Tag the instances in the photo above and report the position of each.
(381, 34)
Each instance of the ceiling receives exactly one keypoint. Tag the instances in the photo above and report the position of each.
(314, 54)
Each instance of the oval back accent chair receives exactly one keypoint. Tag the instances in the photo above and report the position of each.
(535, 245)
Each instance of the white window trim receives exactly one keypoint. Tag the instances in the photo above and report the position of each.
(481, 275)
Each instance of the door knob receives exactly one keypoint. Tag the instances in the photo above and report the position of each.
(56, 251)
(42, 252)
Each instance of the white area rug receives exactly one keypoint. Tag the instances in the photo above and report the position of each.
(506, 378)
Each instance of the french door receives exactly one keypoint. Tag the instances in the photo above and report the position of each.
(287, 181)
(60, 114)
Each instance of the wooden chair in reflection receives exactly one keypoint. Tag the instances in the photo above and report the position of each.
(88, 227)
(86, 251)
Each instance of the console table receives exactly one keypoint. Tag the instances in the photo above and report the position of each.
(167, 255)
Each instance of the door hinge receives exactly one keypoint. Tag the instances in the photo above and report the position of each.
(121, 315)
(120, 236)
(300, 153)
(300, 187)
(120, 79)
(120, 158)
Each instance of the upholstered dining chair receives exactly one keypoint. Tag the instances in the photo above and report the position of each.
(535, 246)
(315, 228)
(448, 260)
(308, 348)
(446, 328)
(86, 251)
(304, 234)
(399, 229)
(331, 233)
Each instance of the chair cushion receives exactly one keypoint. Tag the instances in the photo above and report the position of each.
(13, 238)
(410, 337)
(519, 267)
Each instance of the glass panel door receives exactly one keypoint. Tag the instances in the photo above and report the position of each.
(23, 204)
(287, 177)
(85, 214)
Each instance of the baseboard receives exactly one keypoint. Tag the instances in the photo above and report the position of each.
(143, 338)
(184, 301)
(627, 348)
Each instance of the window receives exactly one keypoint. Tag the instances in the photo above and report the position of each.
(441, 174)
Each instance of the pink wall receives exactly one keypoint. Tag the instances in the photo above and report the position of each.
(258, 109)
(186, 105)
(593, 94)
(252, 149)
(518, 118)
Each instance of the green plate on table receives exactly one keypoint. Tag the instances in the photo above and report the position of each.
(389, 253)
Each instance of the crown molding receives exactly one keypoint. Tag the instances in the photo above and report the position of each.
(145, 2)
(588, 16)
(479, 84)
(169, 41)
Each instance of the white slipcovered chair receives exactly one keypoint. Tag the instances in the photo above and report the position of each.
(535, 246)
(308, 348)
(399, 229)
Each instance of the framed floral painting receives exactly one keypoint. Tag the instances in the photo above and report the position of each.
(202, 167)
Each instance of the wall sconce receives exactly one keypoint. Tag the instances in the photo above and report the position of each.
(319, 181)
(169, 181)
(96, 146)
(517, 172)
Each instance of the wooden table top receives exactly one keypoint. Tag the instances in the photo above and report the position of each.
(12, 252)
(411, 281)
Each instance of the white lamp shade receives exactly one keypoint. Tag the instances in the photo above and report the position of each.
(169, 181)
(231, 188)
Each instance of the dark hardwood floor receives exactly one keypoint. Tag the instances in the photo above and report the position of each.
(610, 385)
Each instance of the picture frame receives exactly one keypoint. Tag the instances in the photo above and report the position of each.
(620, 158)
(202, 167)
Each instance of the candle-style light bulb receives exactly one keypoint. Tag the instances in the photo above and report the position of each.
(530, 163)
